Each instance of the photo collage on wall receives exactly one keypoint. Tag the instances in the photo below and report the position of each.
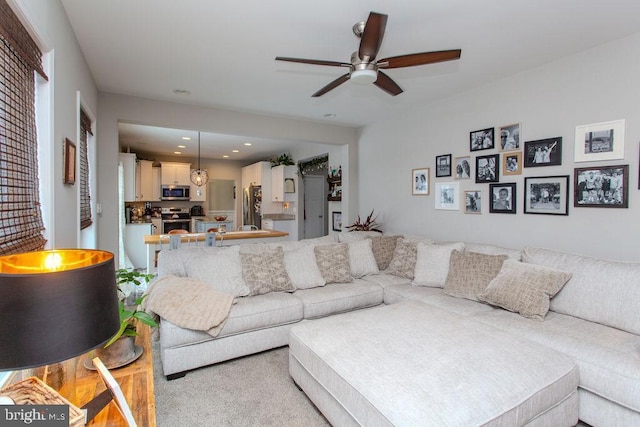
(501, 153)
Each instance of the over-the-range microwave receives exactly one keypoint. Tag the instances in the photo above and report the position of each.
(175, 192)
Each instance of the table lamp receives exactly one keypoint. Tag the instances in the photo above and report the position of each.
(55, 305)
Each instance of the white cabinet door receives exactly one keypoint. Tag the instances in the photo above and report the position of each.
(146, 180)
(198, 194)
(175, 173)
(128, 161)
(277, 183)
(157, 183)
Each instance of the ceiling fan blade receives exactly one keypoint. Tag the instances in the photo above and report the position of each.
(419, 59)
(334, 84)
(385, 83)
(372, 36)
(313, 61)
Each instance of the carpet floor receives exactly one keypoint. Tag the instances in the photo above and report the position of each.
(252, 391)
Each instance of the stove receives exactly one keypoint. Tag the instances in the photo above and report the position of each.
(175, 219)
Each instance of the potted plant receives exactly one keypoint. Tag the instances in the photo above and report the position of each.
(283, 159)
(369, 224)
(121, 349)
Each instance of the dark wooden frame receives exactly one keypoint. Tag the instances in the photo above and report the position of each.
(579, 193)
(336, 216)
(446, 157)
(69, 173)
(530, 150)
(493, 139)
(514, 199)
(564, 204)
(496, 159)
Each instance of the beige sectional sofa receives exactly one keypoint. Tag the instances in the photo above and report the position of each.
(592, 303)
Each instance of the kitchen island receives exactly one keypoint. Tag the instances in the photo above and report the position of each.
(157, 242)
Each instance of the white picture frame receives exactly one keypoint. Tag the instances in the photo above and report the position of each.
(447, 196)
(599, 141)
(116, 392)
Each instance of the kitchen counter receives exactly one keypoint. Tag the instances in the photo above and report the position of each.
(279, 217)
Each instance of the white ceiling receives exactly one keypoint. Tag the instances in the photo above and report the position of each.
(223, 52)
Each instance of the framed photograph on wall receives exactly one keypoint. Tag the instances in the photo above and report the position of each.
(447, 196)
(503, 198)
(473, 202)
(599, 141)
(543, 152)
(487, 168)
(336, 221)
(546, 195)
(601, 187)
(443, 165)
(420, 182)
(482, 139)
(69, 162)
(510, 137)
(463, 167)
(512, 163)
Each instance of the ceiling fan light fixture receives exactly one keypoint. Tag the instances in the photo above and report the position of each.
(363, 77)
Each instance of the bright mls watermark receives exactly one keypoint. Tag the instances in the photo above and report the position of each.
(34, 415)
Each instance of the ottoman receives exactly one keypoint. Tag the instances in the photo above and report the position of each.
(413, 364)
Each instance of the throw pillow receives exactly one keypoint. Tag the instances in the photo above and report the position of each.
(361, 259)
(383, 247)
(218, 267)
(470, 273)
(302, 269)
(432, 263)
(265, 272)
(403, 263)
(525, 288)
(333, 262)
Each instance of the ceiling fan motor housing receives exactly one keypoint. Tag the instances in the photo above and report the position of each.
(362, 72)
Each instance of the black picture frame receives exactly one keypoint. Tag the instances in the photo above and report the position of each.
(601, 187)
(483, 139)
(443, 165)
(546, 195)
(543, 152)
(487, 168)
(503, 198)
(336, 221)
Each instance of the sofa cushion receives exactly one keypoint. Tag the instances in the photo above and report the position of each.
(403, 263)
(484, 248)
(361, 259)
(302, 269)
(433, 296)
(384, 279)
(350, 236)
(470, 273)
(339, 297)
(524, 288)
(333, 262)
(432, 263)
(383, 247)
(219, 267)
(600, 291)
(265, 272)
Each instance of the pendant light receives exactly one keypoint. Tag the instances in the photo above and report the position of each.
(199, 176)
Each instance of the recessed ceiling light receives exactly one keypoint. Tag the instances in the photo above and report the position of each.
(225, 156)
(329, 115)
(181, 92)
(235, 151)
(247, 144)
(186, 138)
(182, 146)
(177, 152)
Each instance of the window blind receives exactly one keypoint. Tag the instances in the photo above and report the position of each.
(21, 222)
(85, 193)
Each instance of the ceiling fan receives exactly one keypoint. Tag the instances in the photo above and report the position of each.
(364, 69)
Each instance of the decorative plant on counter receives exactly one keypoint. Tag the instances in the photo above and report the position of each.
(369, 224)
(283, 159)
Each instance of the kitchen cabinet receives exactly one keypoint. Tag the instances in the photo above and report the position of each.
(157, 183)
(202, 225)
(128, 161)
(134, 245)
(255, 174)
(157, 225)
(278, 176)
(197, 194)
(175, 173)
(144, 180)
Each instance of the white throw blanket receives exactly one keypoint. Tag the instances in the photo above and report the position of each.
(188, 303)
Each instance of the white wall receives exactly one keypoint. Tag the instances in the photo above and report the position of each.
(598, 85)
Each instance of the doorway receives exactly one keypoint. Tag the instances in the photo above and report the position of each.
(315, 206)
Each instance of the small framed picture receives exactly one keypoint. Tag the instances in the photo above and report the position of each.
(447, 196)
(503, 198)
(487, 168)
(543, 152)
(599, 141)
(546, 195)
(510, 137)
(481, 139)
(601, 187)
(336, 221)
(420, 182)
(512, 163)
(473, 202)
(443, 165)
(69, 162)
(463, 167)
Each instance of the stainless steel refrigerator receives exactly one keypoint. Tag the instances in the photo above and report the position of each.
(252, 206)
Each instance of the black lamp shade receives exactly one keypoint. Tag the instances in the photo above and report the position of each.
(53, 312)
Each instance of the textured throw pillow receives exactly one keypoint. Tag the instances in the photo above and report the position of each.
(432, 263)
(470, 273)
(333, 262)
(525, 288)
(265, 272)
(383, 247)
(218, 267)
(403, 263)
(302, 268)
(361, 259)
